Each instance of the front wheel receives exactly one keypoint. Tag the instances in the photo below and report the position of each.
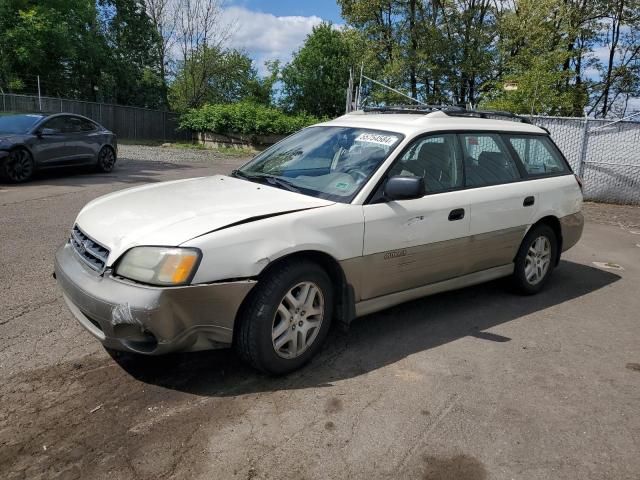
(19, 166)
(535, 260)
(106, 160)
(286, 318)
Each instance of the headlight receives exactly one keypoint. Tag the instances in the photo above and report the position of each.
(164, 266)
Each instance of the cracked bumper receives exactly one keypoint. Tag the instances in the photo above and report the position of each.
(149, 320)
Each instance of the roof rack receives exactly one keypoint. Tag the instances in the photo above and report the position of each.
(422, 108)
(450, 110)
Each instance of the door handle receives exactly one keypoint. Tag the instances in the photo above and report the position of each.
(529, 201)
(457, 214)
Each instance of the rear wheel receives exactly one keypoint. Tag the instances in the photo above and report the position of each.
(106, 159)
(286, 318)
(536, 259)
(19, 166)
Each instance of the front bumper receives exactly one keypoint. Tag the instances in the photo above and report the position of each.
(150, 320)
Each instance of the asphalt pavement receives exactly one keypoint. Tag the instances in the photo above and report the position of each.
(468, 385)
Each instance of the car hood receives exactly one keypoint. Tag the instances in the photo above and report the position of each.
(11, 138)
(171, 213)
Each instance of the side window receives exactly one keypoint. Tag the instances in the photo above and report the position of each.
(72, 125)
(486, 160)
(56, 124)
(436, 159)
(86, 125)
(538, 155)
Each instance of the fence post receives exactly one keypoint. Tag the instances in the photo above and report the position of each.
(584, 147)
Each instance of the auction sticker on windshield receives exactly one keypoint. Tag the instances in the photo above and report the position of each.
(387, 140)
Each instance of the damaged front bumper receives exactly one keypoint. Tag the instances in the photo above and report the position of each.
(144, 319)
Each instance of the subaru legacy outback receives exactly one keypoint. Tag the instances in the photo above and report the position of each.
(339, 220)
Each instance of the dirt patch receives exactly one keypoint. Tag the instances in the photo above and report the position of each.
(633, 366)
(334, 405)
(458, 467)
(51, 424)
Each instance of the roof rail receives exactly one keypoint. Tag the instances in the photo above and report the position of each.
(450, 110)
(423, 108)
(488, 114)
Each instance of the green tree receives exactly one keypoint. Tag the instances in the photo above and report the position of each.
(534, 56)
(213, 76)
(133, 53)
(58, 40)
(315, 80)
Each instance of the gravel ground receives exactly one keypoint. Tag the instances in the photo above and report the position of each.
(475, 384)
(177, 154)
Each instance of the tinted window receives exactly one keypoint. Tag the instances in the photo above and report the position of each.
(87, 125)
(486, 160)
(72, 125)
(436, 159)
(57, 124)
(538, 155)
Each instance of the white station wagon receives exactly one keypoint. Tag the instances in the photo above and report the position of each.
(340, 220)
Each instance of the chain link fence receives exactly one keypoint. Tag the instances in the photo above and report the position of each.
(128, 123)
(605, 153)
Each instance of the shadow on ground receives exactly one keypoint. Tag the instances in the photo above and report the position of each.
(376, 340)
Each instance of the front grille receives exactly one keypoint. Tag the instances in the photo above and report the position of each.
(89, 251)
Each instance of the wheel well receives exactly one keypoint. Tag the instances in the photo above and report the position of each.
(344, 304)
(110, 148)
(554, 223)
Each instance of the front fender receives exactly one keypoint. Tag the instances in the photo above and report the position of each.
(243, 251)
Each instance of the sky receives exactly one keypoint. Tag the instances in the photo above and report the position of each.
(270, 30)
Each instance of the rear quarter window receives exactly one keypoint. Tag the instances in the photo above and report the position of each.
(538, 154)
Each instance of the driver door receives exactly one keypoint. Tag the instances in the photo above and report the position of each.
(51, 145)
(411, 243)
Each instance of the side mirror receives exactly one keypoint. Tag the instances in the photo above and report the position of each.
(404, 188)
(46, 131)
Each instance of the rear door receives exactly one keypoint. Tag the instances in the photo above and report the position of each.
(87, 139)
(502, 206)
(411, 243)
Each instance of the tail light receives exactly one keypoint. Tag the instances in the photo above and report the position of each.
(579, 180)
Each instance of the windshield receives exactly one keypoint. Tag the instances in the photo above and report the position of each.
(18, 123)
(325, 162)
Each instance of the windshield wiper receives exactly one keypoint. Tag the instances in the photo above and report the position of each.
(266, 178)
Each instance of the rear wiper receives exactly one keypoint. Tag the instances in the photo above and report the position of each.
(266, 177)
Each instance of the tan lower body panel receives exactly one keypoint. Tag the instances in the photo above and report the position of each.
(380, 303)
(571, 226)
(399, 270)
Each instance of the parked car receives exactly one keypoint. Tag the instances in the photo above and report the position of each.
(31, 142)
(340, 220)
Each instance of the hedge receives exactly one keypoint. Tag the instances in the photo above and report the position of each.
(244, 118)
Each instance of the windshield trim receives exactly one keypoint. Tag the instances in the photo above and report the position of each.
(317, 193)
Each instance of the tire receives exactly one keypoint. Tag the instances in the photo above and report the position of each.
(19, 166)
(275, 324)
(106, 159)
(535, 260)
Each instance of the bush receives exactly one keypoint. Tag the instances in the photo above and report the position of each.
(245, 118)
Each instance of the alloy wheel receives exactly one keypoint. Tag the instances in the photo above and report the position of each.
(297, 320)
(538, 260)
(19, 166)
(107, 159)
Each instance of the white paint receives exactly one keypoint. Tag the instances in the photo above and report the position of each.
(195, 212)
